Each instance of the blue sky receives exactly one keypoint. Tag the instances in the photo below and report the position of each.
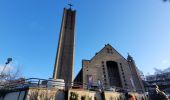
(29, 31)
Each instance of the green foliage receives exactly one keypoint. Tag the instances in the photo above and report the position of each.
(83, 97)
(73, 96)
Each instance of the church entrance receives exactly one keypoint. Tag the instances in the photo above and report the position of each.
(113, 74)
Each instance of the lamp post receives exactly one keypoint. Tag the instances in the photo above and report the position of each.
(7, 62)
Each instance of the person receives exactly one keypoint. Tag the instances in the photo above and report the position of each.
(90, 82)
(158, 94)
(161, 94)
(99, 85)
(130, 96)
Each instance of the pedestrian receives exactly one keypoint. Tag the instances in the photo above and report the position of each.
(158, 94)
(130, 96)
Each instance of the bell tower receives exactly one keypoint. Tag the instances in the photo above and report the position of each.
(63, 68)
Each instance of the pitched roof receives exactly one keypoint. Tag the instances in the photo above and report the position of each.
(108, 45)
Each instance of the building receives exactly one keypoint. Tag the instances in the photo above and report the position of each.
(161, 79)
(63, 68)
(107, 67)
(111, 69)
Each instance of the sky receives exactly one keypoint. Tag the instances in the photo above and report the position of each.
(29, 32)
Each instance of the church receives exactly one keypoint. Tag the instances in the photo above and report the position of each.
(111, 69)
(108, 67)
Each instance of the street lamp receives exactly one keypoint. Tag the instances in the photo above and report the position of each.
(7, 62)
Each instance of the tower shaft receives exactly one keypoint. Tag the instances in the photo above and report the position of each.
(63, 68)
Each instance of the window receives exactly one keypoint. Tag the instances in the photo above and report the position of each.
(102, 62)
(123, 73)
(102, 65)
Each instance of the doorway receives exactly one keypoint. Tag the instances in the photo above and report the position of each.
(113, 73)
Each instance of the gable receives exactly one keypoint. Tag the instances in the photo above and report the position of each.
(108, 52)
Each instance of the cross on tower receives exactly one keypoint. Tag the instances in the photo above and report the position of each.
(70, 5)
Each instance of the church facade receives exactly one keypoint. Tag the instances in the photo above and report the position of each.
(111, 69)
(107, 67)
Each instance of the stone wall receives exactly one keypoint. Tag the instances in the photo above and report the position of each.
(43, 94)
(73, 94)
(78, 94)
(83, 95)
(97, 68)
(113, 96)
(35, 94)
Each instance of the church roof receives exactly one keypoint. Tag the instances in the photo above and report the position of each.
(106, 46)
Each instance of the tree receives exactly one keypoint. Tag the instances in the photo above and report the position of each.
(9, 74)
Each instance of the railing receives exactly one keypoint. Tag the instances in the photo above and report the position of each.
(44, 83)
(24, 83)
(38, 83)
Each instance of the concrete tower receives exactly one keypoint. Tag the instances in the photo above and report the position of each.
(63, 68)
